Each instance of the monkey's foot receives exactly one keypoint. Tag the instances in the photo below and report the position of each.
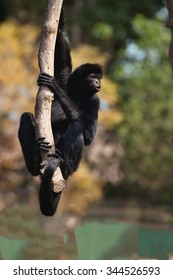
(57, 155)
(42, 144)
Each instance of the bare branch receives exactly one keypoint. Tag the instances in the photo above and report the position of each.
(45, 96)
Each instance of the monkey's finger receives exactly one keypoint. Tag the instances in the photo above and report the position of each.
(44, 80)
(42, 146)
(53, 155)
(46, 83)
(40, 139)
(44, 149)
(45, 74)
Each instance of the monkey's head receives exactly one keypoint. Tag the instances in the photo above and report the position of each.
(86, 78)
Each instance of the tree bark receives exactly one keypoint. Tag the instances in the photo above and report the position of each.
(169, 24)
(45, 96)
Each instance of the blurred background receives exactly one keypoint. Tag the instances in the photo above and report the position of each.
(119, 203)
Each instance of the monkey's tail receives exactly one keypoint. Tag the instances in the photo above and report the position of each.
(48, 198)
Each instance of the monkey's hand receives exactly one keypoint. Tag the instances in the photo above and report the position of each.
(55, 158)
(47, 80)
(42, 144)
(57, 155)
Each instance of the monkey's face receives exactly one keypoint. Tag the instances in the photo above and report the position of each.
(93, 82)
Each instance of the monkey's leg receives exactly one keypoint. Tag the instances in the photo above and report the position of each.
(71, 146)
(48, 199)
(26, 136)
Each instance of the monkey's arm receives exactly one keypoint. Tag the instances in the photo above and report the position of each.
(90, 119)
(62, 61)
(26, 135)
(71, 111)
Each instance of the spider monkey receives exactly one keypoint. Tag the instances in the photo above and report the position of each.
(74, 115)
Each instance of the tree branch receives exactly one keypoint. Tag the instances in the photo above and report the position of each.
(45, 96)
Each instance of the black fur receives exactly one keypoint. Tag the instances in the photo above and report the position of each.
(73, 117)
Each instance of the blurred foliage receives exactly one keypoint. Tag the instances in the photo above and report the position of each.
(18, 56)
(84, 189)
(18, 49)
(22, 10)
(18, 74)
(84, 53)
(147, 105)
(112, 19)
(106, 23)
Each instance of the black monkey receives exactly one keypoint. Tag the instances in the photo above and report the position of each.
(73, 118)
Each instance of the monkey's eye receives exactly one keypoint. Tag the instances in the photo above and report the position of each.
(92, 76)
